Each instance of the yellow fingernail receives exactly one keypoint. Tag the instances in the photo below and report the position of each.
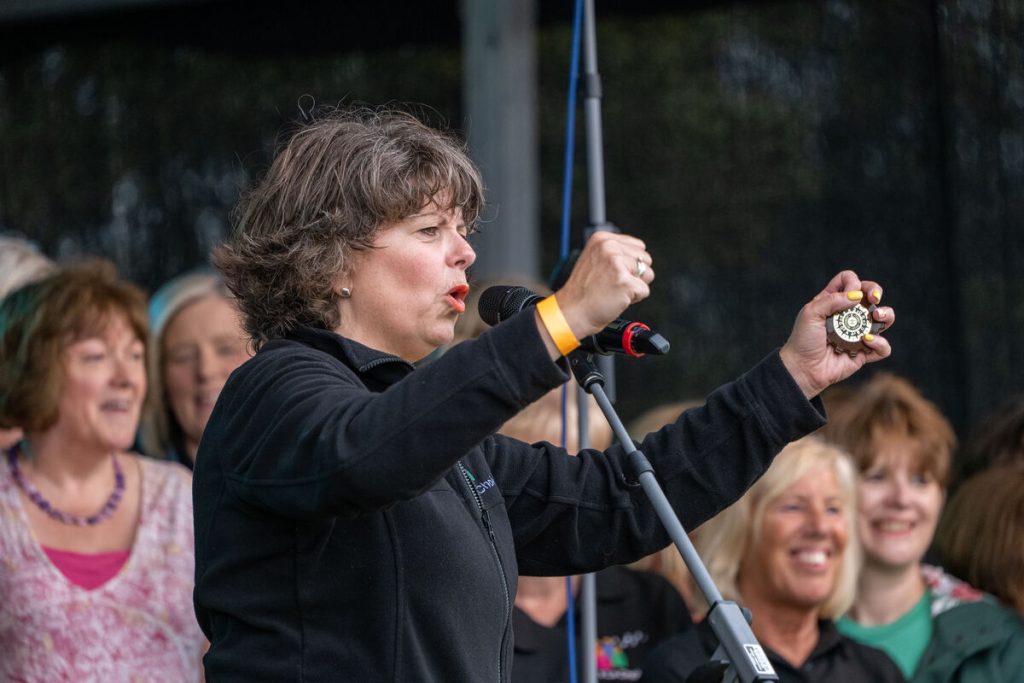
(855, 296)
(876, 294)
(869, 337)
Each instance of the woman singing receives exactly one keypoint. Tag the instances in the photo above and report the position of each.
(356, 517)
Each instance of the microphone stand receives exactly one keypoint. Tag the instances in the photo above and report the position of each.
(598, 221)
(588, 582)
(738, 653)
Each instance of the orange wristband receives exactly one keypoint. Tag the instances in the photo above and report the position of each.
(554, 321)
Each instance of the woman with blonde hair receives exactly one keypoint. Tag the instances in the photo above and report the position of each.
(197, 341)
(785, 551)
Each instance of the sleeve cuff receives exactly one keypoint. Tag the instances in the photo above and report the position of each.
(522, 358)
(780, 402)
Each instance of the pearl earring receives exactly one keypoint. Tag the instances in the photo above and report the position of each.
(345, 292)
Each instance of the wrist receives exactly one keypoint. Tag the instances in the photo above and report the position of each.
(557, 327)
(795, 369)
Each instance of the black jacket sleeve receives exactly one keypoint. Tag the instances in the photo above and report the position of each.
(705, 461)
(299, 434)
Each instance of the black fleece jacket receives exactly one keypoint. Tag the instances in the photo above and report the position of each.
(358, 520)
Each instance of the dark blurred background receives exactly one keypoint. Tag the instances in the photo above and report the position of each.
(758, 148)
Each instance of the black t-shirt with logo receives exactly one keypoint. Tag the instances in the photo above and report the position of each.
(635, 611)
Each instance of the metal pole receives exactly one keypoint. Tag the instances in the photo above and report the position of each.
(598, 221)
(588, 584)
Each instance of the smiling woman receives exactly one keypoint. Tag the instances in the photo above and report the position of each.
(785, 551)
(86, 521)
(197, 341)
(934, 626)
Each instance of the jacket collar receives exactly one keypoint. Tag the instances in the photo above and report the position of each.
(966, 630)
(947, 591)
(370, 364)
(829, 638)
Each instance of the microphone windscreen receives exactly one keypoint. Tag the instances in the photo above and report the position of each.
(501, 302)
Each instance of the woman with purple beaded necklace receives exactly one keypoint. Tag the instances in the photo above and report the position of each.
(96, 541)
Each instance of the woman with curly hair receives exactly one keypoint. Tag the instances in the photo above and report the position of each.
(357, 517)
(96, 541)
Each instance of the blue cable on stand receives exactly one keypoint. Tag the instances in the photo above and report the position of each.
(570, 144)
(570, 127)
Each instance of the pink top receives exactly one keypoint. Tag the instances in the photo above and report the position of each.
(136, 626)
(88, 570)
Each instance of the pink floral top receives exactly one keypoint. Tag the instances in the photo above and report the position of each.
(138, 626)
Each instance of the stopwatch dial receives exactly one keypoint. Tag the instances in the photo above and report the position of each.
(846, 329)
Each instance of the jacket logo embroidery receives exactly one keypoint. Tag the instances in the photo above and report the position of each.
(481, 487)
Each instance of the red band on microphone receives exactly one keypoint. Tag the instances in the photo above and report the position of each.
(627, 339)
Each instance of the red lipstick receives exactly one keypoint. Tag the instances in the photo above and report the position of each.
(457, 297)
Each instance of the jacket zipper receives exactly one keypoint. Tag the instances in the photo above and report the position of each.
(377, 362)
(501, 567)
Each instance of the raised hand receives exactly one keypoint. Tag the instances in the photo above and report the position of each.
(613, 272)
(812, 362)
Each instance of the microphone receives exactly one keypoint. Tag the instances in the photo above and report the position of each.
(501, 302)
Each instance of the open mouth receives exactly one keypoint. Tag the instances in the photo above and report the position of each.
(811, 558)
(457, 297)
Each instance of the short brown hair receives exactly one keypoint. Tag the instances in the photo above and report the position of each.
(38, 321)
(886, 407)
(328, 191)
(979, 537)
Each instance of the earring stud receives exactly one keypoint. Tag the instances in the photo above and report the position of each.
(345, 292)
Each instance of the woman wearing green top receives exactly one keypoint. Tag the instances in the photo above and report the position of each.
(934, 626)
